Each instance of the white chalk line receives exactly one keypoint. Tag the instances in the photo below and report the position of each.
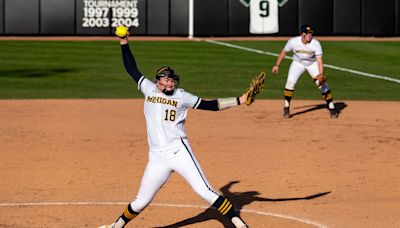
(288, 57)
(288, 217)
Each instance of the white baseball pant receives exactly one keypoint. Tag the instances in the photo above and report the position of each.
(162, 162)
(297, 69)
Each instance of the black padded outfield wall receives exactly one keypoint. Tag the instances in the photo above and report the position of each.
(378, 17)
(21, 16)
(57, 17)
(140, 25)
(347, 17)
(211, 17)
(158, 17)
(179, 14)
(318, 14)
(239, 18)
(1, 16)
(289, 18)
(398, 17)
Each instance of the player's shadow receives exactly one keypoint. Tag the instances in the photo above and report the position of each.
(339, 106)
(238, 199)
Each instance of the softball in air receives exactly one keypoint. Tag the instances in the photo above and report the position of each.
(121, 31)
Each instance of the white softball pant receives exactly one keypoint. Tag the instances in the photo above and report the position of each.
(297, 69)
(179, 158)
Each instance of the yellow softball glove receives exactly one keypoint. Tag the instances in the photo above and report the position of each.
(255, 88)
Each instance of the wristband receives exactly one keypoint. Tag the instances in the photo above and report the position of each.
(224, 103)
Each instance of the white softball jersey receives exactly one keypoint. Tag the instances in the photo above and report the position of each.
(165, 115)
(303, 53)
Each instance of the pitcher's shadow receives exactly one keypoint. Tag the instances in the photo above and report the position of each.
(238, 199)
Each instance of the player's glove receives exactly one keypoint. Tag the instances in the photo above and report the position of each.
(255, 88)
(321, 78)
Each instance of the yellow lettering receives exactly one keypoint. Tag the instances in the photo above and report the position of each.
(162, 100)
(304, 52)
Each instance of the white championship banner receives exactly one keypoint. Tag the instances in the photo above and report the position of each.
(103, 13)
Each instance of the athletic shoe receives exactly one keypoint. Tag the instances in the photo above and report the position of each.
(238, 222)
(286, 112)
(333, 113)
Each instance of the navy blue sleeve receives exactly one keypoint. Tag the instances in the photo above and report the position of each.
(211, 105)
(130, 63)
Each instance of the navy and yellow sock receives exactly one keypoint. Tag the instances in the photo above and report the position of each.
(225, 207)
(127, 216)
(288, 96)
(328, 98)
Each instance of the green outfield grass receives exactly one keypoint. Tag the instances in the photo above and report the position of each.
(74, 69)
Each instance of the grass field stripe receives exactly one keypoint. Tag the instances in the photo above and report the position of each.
(288, 217)
(288, 57)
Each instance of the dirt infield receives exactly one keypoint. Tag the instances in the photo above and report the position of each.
(77, 163)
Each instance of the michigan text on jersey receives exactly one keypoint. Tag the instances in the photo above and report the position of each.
(305, 52)
(162, 100)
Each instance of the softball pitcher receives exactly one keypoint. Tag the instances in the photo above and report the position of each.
(165, 109)
(307, 55)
